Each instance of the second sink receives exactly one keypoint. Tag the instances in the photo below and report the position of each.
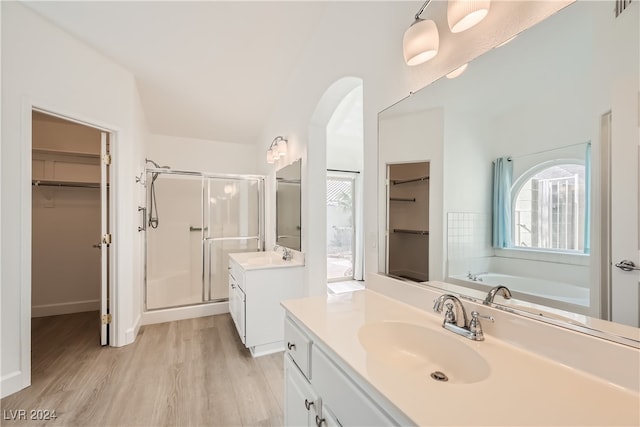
(422, 351)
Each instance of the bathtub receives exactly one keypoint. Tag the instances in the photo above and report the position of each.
(560, 295)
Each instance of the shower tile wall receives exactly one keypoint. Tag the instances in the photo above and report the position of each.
(468, 242)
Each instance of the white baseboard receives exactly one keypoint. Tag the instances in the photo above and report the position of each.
(181, 313)
(12, 383)
(64, 308)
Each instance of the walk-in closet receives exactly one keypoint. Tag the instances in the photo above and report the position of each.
(408, 220)
(66, 219)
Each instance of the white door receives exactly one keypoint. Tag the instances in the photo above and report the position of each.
(105, 239)
(625, 158)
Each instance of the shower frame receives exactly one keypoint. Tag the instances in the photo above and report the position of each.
(205, 192)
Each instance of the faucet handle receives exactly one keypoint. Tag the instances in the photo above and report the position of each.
(449, 315)
(475, 315)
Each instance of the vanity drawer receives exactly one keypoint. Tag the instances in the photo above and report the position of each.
(237, 272)
(298, 346)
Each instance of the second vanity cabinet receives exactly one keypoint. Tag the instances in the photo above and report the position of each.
(256, 288)
(318, 392)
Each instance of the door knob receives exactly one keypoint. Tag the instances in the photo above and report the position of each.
(98, 246)
(626, 265)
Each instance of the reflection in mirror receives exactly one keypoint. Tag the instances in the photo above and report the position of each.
(532, 112)
(288, 229)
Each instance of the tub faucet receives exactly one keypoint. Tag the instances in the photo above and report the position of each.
(500, 289)
(476, 276)
(470, 329)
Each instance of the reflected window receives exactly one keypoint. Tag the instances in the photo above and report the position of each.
(549, 208)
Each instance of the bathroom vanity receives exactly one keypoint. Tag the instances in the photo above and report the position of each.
(258, 281)
(367, 359)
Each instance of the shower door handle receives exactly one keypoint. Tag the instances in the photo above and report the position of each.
(144, 218)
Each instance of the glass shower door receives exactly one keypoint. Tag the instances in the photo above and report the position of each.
(174, 240)
(233, 224)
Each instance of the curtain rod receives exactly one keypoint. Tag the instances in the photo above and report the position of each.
(509, 158)
(342, 170)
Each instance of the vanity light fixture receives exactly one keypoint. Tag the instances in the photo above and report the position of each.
(455, 73)
(277, 149)
(421, 40)
(464, 14)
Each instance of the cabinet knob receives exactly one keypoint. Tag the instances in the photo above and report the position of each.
(308, 404)
(319, 421)
(233, 286)
(291, 346)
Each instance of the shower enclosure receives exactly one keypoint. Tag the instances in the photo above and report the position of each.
(193, 220)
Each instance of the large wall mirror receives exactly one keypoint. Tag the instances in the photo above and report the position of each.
(534, 168)
(288, 214)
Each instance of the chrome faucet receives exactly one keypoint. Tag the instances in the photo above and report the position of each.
(500, 289)
(470, 329)
(286, 252)
(476, 276)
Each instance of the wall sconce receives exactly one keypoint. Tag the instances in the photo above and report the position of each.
(464, 14)
(421, 40)
(277, 149)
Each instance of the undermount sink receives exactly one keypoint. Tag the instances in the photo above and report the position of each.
(419, 350)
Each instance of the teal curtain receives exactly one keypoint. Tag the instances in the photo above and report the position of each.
(502, 177)
(587, 199)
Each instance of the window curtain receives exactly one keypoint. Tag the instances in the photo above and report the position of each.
(587, 199)
(502, 177)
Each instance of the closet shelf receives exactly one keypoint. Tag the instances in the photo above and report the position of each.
(404, 181)
(402, 199)
(405, 231)
(66, 153)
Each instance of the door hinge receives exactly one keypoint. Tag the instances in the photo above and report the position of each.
(106, 159)
(106, 319)
(106, 239)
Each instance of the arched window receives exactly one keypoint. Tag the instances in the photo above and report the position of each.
(549, 207)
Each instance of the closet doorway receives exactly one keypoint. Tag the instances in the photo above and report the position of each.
(408, 220)
(71, 237)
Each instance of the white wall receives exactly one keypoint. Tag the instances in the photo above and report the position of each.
(45, 67)
(188, 154)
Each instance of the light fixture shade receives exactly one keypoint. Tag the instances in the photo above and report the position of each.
(455, 73)
(270, 158)
(282, 148)
(464, 14)
(420, 42)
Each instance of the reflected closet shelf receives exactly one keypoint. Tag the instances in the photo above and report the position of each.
(402, 199)
(405, 231)
(404, 181)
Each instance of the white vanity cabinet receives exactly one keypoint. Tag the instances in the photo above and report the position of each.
(311, 375)
(255, 292)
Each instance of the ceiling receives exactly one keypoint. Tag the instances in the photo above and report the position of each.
(209, 70)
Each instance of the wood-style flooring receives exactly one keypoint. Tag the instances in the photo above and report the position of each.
(192, 372)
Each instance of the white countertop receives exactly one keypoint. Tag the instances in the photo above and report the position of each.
(266, 260)
(521, 389)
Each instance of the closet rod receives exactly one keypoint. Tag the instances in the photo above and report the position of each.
(419, 232)
(404, 181)
(64, 184)
(402, 199)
